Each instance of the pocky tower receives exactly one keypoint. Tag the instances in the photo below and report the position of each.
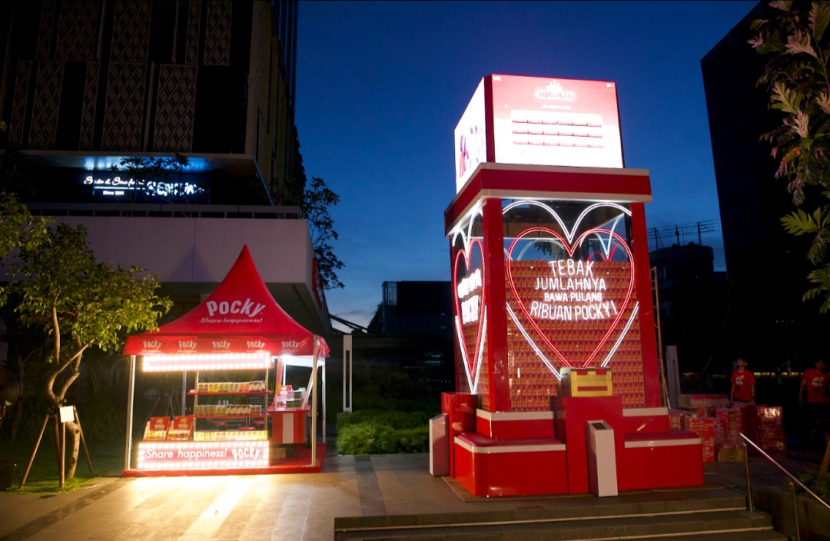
(557, 380)
(548, 245)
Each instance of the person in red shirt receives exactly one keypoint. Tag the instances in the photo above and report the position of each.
(814, 395)
(743, 384)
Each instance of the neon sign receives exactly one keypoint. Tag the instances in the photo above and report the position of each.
(116, 185)
(593, 292)
(470, 307)
(206, 361)
(470, 311)
(202, 455)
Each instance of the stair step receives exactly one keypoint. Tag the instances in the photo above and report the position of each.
(754, 535)
(563, 509)
(704, 525)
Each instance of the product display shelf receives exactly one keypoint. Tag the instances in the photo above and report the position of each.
(223, 393)
(240, 416)
(196, 394)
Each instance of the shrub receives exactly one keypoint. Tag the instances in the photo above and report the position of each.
(818, 484)
(382, 432)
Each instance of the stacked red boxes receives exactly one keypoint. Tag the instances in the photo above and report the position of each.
(732, 418)
(676, 420)
(705, 429)
(771, 429)
(749, 422)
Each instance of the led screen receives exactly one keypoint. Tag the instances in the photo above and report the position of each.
(546, 121)
(470, 139)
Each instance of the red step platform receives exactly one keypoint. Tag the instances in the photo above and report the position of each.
(510, 468)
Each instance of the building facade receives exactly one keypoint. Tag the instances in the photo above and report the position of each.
(167, 128)
(766, 267)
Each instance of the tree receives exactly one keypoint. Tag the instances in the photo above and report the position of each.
(78, 303)
(798, 77)
(18, 230)
(317, 199)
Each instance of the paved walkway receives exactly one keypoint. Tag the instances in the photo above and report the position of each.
(286, 507)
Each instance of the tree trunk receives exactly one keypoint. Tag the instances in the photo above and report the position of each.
(73, 445)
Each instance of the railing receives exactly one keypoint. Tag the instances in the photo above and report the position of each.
(793, 480)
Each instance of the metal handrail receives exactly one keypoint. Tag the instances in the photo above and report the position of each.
(785, 470)
(792, 479)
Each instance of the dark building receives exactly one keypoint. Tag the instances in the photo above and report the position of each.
(96, 92)
(412, 328)
(766, 267)
(693, 302)
(414, 308)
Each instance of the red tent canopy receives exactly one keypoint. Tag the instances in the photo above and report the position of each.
(241, 316)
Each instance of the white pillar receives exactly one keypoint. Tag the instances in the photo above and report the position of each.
(130, 397)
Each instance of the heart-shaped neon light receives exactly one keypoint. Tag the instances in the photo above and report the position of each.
(570, 249)
(472, 363)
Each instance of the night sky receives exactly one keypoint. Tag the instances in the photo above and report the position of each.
(382, 85)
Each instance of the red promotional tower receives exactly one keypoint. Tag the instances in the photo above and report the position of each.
(557, 373)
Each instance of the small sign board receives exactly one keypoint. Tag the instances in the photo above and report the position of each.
(68, 414)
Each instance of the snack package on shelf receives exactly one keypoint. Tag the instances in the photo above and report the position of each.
(240, 435)
(181, 429)
(156, 429)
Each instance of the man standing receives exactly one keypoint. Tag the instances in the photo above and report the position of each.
(814, 387)
(743, 384)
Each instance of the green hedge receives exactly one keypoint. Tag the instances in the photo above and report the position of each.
(374, 438)
(383, 432)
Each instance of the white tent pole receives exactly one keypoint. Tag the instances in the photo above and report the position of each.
(130, 393)
(314, 404)
(184, 390)
(324, 402)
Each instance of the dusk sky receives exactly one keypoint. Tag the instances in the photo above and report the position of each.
(382, 85)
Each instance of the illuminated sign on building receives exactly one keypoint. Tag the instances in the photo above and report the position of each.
(538, 121)
(115, 186)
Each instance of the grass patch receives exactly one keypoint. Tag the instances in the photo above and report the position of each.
(107, 461)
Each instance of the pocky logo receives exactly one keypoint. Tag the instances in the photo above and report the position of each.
(290, 344)
(255, 344)
(152, 344)
(187, 344)
(554, 91)
(246, 453)
(221, 344)
(243, 308)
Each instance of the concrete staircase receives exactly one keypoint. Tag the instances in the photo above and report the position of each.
(692, 515)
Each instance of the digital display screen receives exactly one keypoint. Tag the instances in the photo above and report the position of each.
(470, 139)
(551, 121)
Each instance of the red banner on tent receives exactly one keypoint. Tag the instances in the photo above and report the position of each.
(241, 316)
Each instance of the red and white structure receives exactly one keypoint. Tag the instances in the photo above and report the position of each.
(237, 327)
(551, 277)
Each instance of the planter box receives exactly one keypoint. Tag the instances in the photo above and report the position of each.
(812, 516)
